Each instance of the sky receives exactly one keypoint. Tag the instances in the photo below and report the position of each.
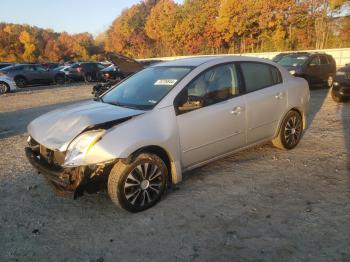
(72, 16)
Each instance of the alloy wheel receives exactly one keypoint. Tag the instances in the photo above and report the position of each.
(20, 82)
(3, 88)
(293, 130)
(143, 184)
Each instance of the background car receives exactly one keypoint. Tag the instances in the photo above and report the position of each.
(87, 71)
(341, 87)
(28, 74)
(316, 68)
(126, 66)
(111, 72)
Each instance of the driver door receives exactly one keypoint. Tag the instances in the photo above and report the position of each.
(211, 115)
(43, 75)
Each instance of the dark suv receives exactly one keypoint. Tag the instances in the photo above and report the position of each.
(316, 68)
(87, 71)
(27, 74)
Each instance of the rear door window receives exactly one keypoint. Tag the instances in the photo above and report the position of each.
(28, 68)
(259, 75)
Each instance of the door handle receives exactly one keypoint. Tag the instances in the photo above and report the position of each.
(237, 110)
(279, 95)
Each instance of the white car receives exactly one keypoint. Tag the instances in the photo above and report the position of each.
(6, 84)
(144, 133)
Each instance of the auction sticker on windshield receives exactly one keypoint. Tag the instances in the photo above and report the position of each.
(165, 82)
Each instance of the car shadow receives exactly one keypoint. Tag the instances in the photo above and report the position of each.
(345, 118)
(318, 96)
(15, 122)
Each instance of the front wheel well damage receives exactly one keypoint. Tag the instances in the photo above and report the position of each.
(157, 150)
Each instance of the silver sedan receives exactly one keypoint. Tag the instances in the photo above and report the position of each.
(143, 134)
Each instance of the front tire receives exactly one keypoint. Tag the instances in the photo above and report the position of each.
(138, 185)
(290, 132)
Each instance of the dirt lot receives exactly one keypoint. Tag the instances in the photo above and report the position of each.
(262, 204)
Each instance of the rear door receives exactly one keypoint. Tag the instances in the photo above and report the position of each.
(266, 100)
(211, 115)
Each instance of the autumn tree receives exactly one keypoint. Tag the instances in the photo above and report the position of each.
(29, 47)
(160, 26)
(127, 34)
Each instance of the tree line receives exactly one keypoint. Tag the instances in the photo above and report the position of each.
(24, 43)
(154, 28)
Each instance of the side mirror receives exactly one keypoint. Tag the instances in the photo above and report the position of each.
(192, 103)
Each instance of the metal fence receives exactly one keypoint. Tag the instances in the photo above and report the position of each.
(341, 55)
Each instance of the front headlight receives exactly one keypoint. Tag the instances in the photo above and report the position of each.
(80, 147)
(292, 72)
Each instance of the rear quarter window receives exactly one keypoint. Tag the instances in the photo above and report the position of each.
(324, 60)
(259, 75)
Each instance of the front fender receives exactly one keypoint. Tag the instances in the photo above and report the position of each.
(154, 128)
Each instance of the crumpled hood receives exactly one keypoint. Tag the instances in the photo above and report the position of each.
(56, 129)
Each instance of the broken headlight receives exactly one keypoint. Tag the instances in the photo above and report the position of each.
(80, 147)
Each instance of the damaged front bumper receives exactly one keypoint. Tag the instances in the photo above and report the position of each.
(64, 180)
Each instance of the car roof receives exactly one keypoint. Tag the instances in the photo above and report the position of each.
(197, 61)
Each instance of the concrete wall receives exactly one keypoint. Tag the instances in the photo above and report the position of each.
(341, 55)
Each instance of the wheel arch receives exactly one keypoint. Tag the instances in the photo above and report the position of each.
(174, 171)
(299, 111)
(20, 76)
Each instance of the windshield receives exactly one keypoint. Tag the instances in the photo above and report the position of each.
(146, 88)
(292, 60)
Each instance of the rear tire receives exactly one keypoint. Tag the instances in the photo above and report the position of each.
(138, 185)
(21, 82)
(290, 131)
(4, 88)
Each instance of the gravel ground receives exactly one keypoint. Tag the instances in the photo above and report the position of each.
(261, 204)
